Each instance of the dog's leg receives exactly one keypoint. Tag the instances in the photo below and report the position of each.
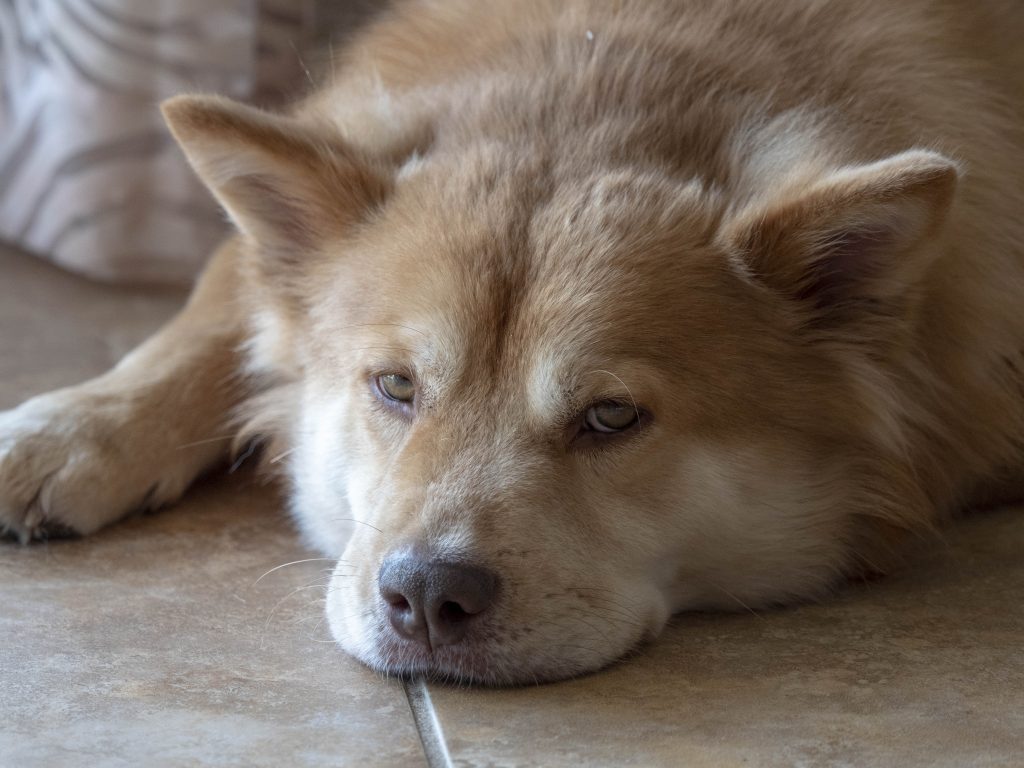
(74, 460)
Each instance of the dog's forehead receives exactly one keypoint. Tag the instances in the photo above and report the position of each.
(513, 274)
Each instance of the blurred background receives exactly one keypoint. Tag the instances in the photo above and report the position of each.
(89, 176)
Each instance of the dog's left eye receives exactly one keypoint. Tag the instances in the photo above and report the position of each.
(395, 386)
(611, 416)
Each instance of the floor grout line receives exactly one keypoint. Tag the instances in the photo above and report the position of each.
(427, 725)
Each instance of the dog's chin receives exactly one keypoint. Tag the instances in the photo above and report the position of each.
(476, 665)
(482, 665)
(486, 662)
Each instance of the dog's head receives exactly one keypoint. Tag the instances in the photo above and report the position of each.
(542, 405)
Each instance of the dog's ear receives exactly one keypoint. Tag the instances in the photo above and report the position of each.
(856, 240)
(284, 184)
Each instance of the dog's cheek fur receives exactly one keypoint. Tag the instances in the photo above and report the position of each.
(766, 524)
(320, 472)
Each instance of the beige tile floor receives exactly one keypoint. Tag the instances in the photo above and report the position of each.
(153, 644)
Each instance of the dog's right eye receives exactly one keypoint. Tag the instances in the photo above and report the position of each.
(609, 417)
(396, 387)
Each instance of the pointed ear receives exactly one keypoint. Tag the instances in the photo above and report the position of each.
(285, 185)
(853, 241)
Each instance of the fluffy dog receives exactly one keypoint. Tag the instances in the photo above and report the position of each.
(567, 315)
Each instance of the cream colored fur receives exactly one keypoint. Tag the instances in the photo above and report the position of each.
(791, 232)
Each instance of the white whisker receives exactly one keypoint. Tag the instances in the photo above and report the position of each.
(293, 562)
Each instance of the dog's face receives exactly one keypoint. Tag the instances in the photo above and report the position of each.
(540, 410)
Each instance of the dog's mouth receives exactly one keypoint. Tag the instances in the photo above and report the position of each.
(458, 665)
(489, 665)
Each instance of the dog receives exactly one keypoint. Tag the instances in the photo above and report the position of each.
(564, 316)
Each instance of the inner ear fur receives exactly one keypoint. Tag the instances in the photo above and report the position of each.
(285, 184)
(856, 239)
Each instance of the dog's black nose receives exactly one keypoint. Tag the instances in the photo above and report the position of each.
(431, 601)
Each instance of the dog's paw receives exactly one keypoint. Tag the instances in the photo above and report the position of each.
(72, 462)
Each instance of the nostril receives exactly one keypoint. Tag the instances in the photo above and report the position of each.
(453, 613)
(397, 601)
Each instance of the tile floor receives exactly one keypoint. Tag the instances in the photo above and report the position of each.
(156, 643)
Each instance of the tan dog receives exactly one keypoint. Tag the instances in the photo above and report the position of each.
(592, 312)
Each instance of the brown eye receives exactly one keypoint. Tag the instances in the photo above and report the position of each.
(395, 386)
(610, 416)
